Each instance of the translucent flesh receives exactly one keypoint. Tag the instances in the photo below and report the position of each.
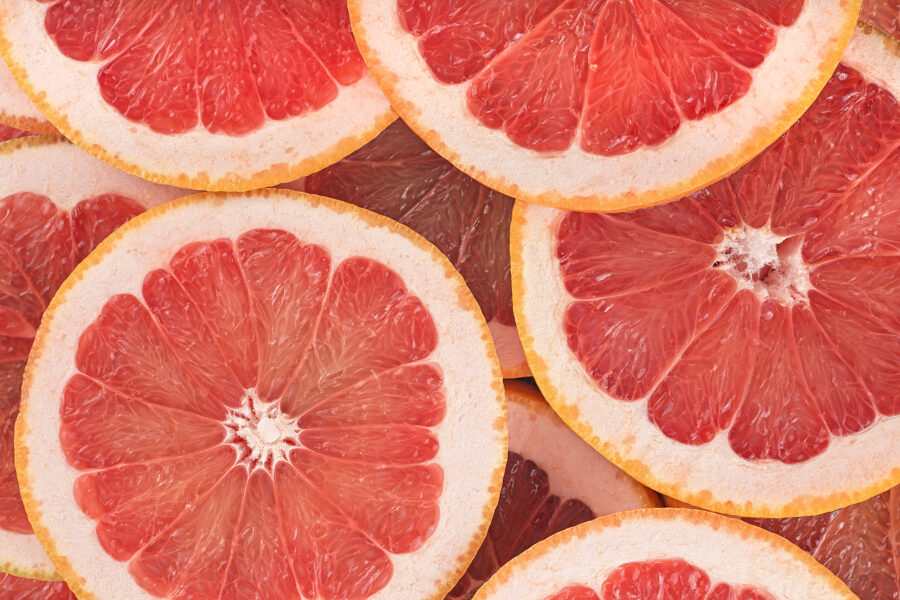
(18, 588)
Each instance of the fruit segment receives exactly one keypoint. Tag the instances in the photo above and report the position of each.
(18, 588)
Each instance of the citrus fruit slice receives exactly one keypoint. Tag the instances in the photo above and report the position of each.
(601, 105)
(56, 204)
(883, 14)
(10, 133)
(18, 588)
(399, 176)
(857, 543)
(553, 481)
(206, 95)
(262, 396)
(16, 110)
(664, 553)
(738, 349)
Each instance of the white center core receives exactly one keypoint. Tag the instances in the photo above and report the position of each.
(260, 433)
(769, 265)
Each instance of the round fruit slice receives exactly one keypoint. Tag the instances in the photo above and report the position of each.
(602, 105)
(56, 204)
(206, 95)
(262, 397)
(664, 553)
(17, 588)
(399, 176)
(553, 481)
(738, 349)
(16, 110)
(857, 543)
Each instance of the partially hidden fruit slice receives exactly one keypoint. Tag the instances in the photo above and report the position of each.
(262, 397)
(16, 110)
(664, 553)
(553, 481)
(10, 133)
(399, 176)
(205, 95)
(18, 588)
(739, 349)
(857, 543)
(601, 105)
(56, 204)
(883, 14)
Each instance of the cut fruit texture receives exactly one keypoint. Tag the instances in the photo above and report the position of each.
(553, 481)
(399, 176)
(18, 588)
(664, 553)
(314, 381)
(56, 204)
(738, 349)
(883, 14)
(220, 95)
(16, 110)
(601, 105)
(10, 133)
(858, 543)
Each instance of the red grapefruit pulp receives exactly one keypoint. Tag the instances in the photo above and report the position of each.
(18, 588)
(10, 133)
(399, 176)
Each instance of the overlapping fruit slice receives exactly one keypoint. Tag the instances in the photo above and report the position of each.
(16, 110)
(10, 133)
(399, 176)
(664, 553)
(56, 204)
(18, 588)
(262, 397)
(883, 14)
(601, 104)
(205, 95)
(738, 349)
(553, 481)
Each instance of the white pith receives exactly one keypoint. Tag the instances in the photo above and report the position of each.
(698, 146)
(13, 101)
(711, 473)
(472, 443)
(745, 251)
(734, 553)
(268, 434)
(70, 87)
(574, 469)
(53, 167)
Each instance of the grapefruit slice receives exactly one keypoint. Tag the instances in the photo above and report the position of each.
(16, 110)
(664, 553)
(738, 349)
(856, 543)
(262, 397)
(883, 14)
(211, 95)
(553, 481)
(56, 204)
(19, 588)
(399, 176)
(10, 133)
(601, 105)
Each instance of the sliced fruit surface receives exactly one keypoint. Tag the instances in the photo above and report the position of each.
(16, 110)
(664, 553)
(10, 133)
(553, 481)
(738, 349)
(18, 588)
(399, 176)
(56, 204)
(312, 380)
(883, 14)
(207, 95)
(601, 105)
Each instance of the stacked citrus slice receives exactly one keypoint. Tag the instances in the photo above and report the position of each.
(738, 349)
(601, 105)
(10, 133)
(16, 110)
(553, 481)
(399, 176)
(262, 396)
(17, 588)
(211, 95)
(664, 553)
(56, 204)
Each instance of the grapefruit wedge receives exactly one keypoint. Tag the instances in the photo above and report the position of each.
(204, 95)
(16, 110)
(18, 588)
(738, 349)
(601, 105)
(56, 204)
(263, 396)
(553, 481)
(664, 553)
(399, 176)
